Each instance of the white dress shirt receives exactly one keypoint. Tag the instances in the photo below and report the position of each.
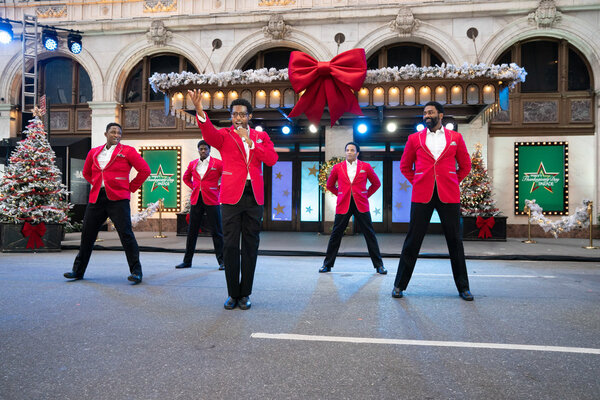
(104, 157)
(351, 167)
(436, 142)
(202, 166)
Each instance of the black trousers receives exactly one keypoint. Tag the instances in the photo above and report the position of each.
(366, 226)
(95, 215)
(420, 215)
(243, 218)
(213, 213)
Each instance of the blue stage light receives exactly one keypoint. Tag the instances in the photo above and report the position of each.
(362, 128)
(6, 33)
(74, 42)
(50, 39)
(420, 127)
(286, 130)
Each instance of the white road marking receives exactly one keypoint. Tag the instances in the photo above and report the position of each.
(430, 343)
(471, 275)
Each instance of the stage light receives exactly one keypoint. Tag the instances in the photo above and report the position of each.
(313, 129)
(450, 126)
(259, 128)
(50, 39)
(391, 127)
(6, 33)
(362, 128)
(420, 127)
(286, 130)
(74, 42)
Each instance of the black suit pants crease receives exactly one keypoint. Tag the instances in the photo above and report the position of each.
(213, 214)
(420, 215)
(364, 222)
(95, 215)
(241, 219)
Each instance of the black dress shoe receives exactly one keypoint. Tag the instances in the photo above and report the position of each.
(244, 303)
(221, 267)
(466, 295)
(325, 269)
(135, 278)
(381, 270)
(397, 293)
(72, 275)
(230, 303)
(183, 265)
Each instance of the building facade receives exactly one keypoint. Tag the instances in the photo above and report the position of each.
(125, 42)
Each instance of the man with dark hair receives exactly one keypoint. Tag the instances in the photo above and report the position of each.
(351, 178)
(429, 163)
(203, 176)
(107, 169)
(243, 151)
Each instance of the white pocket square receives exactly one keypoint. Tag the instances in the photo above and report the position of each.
(259, 141)
(453, 144)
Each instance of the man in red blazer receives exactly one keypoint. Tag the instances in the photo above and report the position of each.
(107, 169)
(351, 177)
(429, 162)
(202, 176)
(243, 151)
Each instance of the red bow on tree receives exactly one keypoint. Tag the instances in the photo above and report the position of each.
(34, 233)
(484, 225)
(327, 81)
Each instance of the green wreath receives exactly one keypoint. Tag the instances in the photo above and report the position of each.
(325, 169)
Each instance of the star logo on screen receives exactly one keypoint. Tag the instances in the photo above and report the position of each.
(160, 179)
(541, 178)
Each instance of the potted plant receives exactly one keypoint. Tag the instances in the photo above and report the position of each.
(481, 219)
(33, 200)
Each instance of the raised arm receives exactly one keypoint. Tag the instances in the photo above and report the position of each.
(209, 133)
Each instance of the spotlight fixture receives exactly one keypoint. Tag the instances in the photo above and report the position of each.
(420, 127)
(286, 130)
(50, 39)
(6, 32)
(450, 126)
(259, 128)
(313, 129)
(391, 127)
(362, 128)
(74, 43)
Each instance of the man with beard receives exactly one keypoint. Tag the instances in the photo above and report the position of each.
(429, 163)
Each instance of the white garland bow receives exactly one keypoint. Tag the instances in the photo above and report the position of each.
(579, 219)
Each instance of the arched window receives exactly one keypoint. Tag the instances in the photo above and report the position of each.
(143, 109)
(277, 57)
(401, 54)
(556, 94)
(68, 88)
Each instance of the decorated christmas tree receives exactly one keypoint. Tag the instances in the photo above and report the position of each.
(476, 189)
(31, 190)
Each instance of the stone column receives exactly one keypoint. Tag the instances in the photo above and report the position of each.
(7, 127)
(103, 113)
(336, 138)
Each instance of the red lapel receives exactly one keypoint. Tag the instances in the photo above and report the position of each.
(423, 142)
(448, 141)
(116, 151)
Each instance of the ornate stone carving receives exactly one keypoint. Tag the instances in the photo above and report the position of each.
(51, 11)
(405, 22)
(270, 3)
(158, 33)
(276, 29)
(545, 15)
(154, 6)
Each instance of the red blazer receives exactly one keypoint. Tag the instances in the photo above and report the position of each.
(235, 166)
(208, 185)
(116, 172)
(358, 187)
(423, 171)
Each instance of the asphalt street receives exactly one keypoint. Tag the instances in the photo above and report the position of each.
(307, 336)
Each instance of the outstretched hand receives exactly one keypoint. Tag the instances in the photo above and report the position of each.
(196, 97)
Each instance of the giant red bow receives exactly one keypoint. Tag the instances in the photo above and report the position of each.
(484, 225)
(327, 81)
(35, 233)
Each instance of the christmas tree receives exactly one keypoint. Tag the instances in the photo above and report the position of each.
(476, 189)
(31, 189)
